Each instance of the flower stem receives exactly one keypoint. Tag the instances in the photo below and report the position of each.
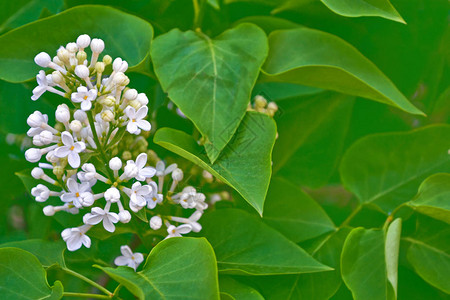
(351, 216)
(89, 281)
(82, 295)
(196, 12)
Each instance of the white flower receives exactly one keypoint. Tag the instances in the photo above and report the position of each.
(120, 65)
(62, 113)
(136, 119)
(98, 215)
(112, 194)
(174, 231)
(78, 194)
(41, 192)
(84, 96)
(35, 121)
(177, 174)
(128, 258)
(42, 85)
(153, 198)
(161, 169)
(115, 164)
(155, 222)
(124, 216)
(187, 197)
(97, 45)
(75, 237)
(83, 41)
(138, 192)
(138, 169)
(70, 149)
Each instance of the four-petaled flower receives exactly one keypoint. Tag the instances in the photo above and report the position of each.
(138, 169)
(128, 258)
(75, 237)
(70, 149)
(43, 84)
(177, 231)
(136, 119)
(98, 215)
(78, 194)
(153, 198)
(84, 96)
(138, 191)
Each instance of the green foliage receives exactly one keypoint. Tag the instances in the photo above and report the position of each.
(48, 253)
(169, 272)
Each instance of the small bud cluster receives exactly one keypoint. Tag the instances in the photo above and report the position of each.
(91, 147)
(260, 105)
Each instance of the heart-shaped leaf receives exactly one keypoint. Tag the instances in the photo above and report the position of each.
(48, 253)
(23, 277)
(211, 80)
(387, 168)
(126, 36)
(245, 164)
(312, 57)
(169, 269)
(433, 198)
(255, 248)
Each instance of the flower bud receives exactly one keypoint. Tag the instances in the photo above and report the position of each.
(121, 79)
(63, 55)
(82, 71)
(36, 119)
(42, 59)
(57, 61)
(33, 155)
(57, 77)
(62, 113)
(37, 141)
(99, 67)
(126, 155)
(97, 45)
(120, 65)
(80, 115)
(177, 174)
(112, 194)
(75, 126)
(49, 210)
(155, 222)
(109, 101)
(83, 41)
(81, 56)
(37, 173)
(142, 98)
(131, 170)
(130, 94)
(50, 157)
(208, 176)
(135, 104)
(58, 171)
(108, 116)
(124, 216)
(72, 47)
(107, 59)
(260, 101)
(115, 163)
(46, 137)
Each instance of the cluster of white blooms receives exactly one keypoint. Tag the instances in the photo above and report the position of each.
(81, 150)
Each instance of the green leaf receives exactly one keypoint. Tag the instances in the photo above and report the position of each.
(387, 168)
(433, 198)
(363, 265)
(175, 268)
(21, 12)
(392, 247)
(23, 277)
(125, 35)
(48, 253)
(307, 126)
(351, 8)
(292, 212)
(245, 164)
(311, 57)
(245, 245)
(269, 23)
(210, 80)
(234, 289)
(429, 250)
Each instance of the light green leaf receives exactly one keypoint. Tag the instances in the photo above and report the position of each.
(351, 8)
(387, 168)
(392, 247)
(433, 198)
(20, 12)
(311, 57)
(175, 269)
(429, 252)
(48, 253)
(307, 126)
(210, 80)
(363, 265)
(292, 212)
(233, 289)
(126, 36)
(245, 245)
(23, 277)
(245, 164)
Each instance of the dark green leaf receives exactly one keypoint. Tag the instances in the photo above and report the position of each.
(245, 245)
(316, 58)
(245, 164)
(210, 80)
(48, 253)
(175, 269)
(23, 277)
(125, 35)
(292, 212)
(387, 168)
(236, 290)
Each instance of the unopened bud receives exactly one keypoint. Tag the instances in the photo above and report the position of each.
(100, 67)
(83, 41)
(260, 101)
(57, 77)
(81, 56)
(126, 155)
(75, 126)
(62, 113)
(109, 101)
(155, 222)
(72, 47)
(49, 210)
(97, 45)
(42, 59)
(58, 171)
(107, 59)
